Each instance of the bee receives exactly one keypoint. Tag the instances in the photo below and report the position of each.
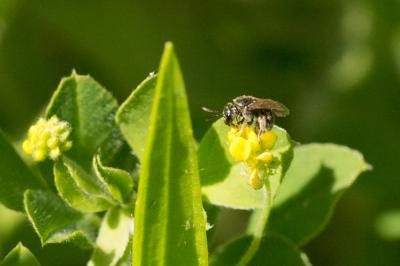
(252, 111)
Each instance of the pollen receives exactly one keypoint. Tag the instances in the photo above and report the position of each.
(245, 146)
(47, 139)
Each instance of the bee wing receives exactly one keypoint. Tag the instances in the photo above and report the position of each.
(276, 107)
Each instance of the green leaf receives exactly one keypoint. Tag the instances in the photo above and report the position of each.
(80, 189)
(113, 148)
(222, 178)
(117, 181)
(15, 177)
(89, 108)
(316, 178)
(273, 250)
(20, 256)
(55, 222)
(113, 238)
(170, 227)
(133, 116)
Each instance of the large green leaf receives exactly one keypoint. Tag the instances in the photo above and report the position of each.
(222, 178)
(316, 178)
(89, 109)
(133, 116)
(19, 256)
(81, 190)
(15, 176)
(113, 238)
(170, 227)
(273, 250)
(55, 222)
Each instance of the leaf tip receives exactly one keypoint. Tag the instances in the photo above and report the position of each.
(168, 51)
(364, 165)
(19, 246)
(169, 45)
(367, 166)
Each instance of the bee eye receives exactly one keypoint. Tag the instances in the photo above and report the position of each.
(227, 115)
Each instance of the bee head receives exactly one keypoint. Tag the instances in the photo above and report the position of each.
(230, 114)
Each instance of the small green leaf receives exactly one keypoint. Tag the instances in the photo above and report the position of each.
(273, 250)
(79, 189)
(113, 238)
(222, 178)
(133, 116)
(316, 178)
(89, 108)
(117, 181)
(55, 222)
(20, 256)
(15, 177)
(170, 227)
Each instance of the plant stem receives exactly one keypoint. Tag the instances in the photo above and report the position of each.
(262, 223)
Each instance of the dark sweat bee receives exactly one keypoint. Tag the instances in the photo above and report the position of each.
(252, 111)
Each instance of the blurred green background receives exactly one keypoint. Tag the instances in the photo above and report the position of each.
(335, 64)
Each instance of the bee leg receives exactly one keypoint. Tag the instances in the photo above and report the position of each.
(262, 125)
(259, 134)
(269, 121)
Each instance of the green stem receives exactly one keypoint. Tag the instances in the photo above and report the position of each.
(259, 230)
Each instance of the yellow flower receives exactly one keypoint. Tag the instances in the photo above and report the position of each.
(47, 138)
(245, 146)
(240, 149)
(268, 140)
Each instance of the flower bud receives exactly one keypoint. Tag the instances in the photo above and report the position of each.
(47, 138)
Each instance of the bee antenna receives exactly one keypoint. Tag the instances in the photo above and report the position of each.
(214, 112)
(208, 110)
(210, 119)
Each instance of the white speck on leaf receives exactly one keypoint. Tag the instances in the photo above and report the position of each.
(187, 225)
(131, 226)
(209, 226)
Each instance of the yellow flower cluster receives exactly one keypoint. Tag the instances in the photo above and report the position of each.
(245, 146)
(47, 138)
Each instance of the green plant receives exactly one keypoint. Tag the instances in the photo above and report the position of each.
(87, 188)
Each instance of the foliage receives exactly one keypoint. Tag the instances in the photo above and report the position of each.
(19, 256)
(88, 195)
